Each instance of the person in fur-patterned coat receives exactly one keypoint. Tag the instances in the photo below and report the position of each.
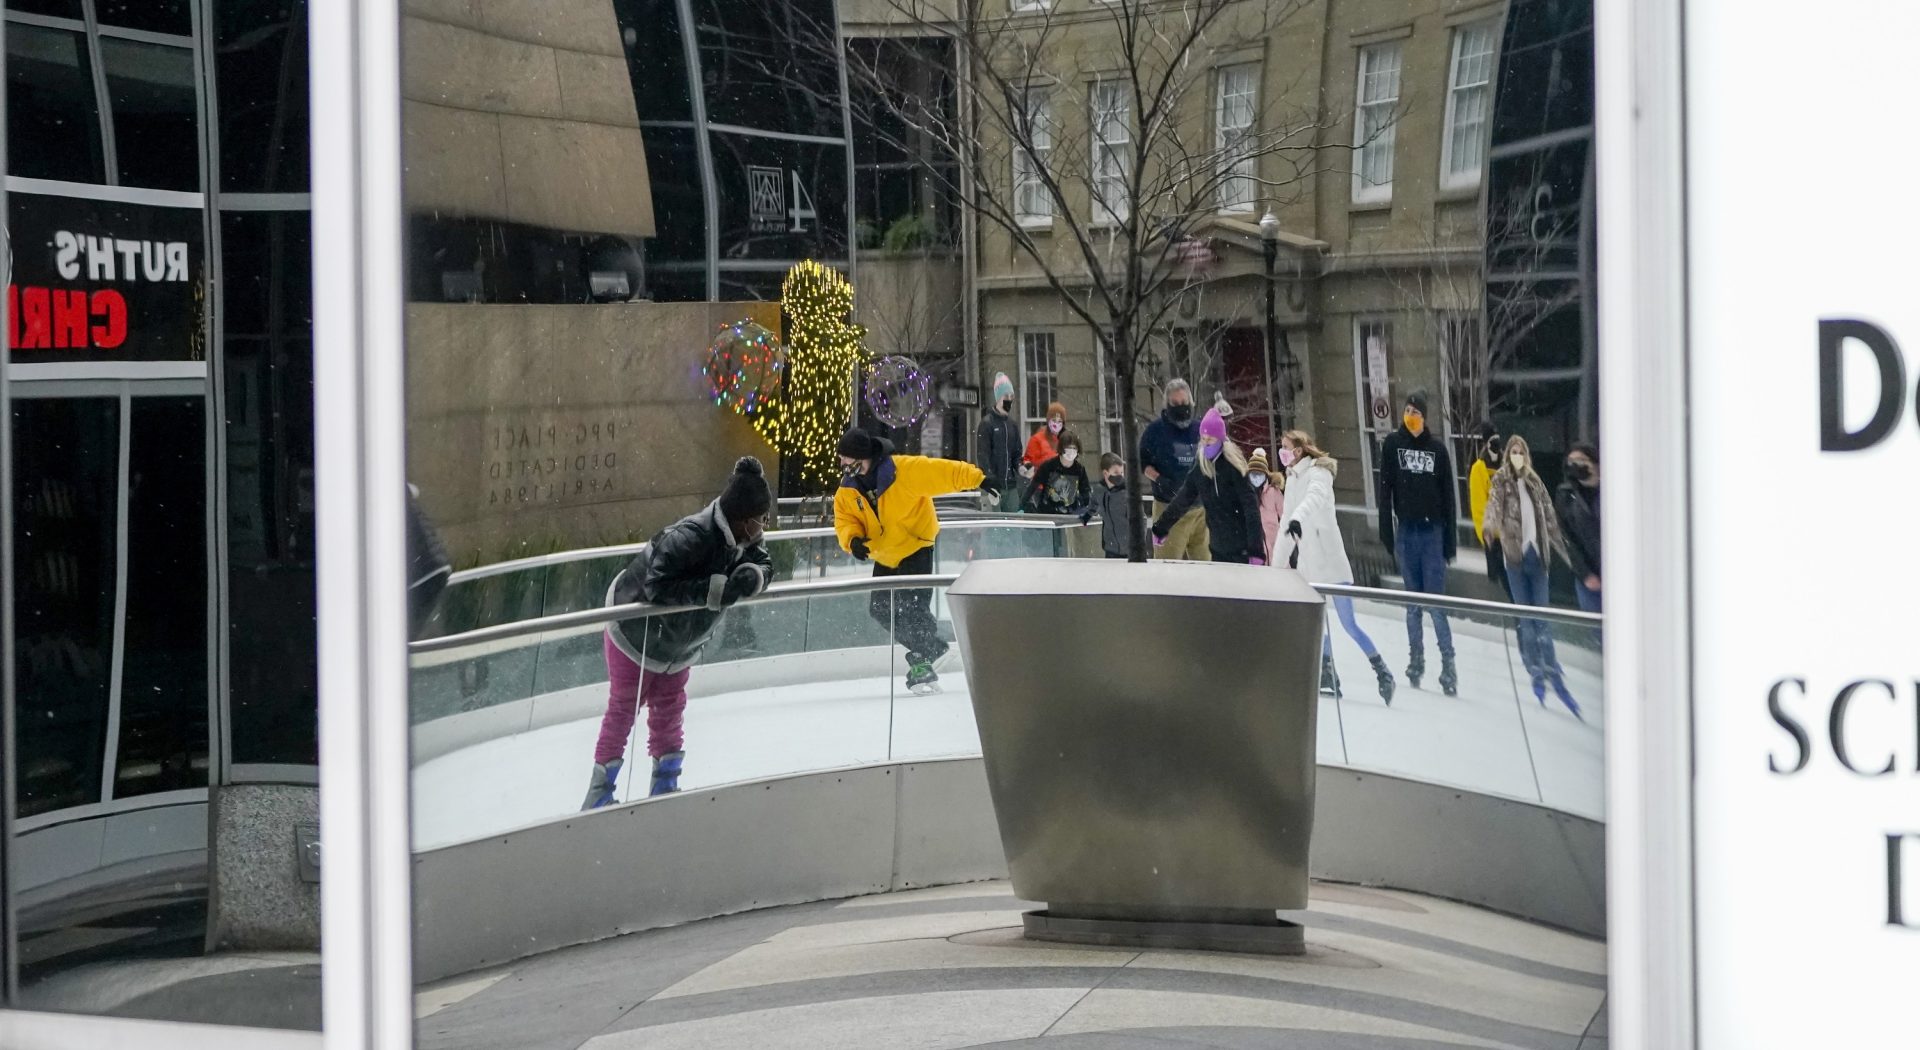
(1520, 515)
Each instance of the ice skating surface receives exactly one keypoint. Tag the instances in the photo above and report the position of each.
(1493, 738)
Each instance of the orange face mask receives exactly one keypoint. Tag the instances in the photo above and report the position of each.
(1415, 423)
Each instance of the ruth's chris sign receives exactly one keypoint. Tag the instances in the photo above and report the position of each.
(104, 281)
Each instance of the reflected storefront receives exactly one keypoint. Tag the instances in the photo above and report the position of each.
(160, 393)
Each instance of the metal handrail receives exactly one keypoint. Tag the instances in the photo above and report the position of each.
(867, 584)
(644, 610)
(1465, 605)
(541, 561)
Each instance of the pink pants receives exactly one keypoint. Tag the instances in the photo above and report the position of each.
(628, 686)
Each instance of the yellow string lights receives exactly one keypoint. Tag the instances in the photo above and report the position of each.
(823, 348)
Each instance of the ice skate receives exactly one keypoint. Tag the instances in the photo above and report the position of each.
(1559, 684)
(1416, 669)
(922, 679)
(946, 659)
(1449, 678)
(1329, 678)
(600, 788)
(666, 773)
(1540, 689)
(1384, 676)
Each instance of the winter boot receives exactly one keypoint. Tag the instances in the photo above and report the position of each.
(600, 788)
(921, 677)
(666, 773)
(1416, 668)
(1449, 679)
(1329, 678)
(1385, 676)
(1560, 690)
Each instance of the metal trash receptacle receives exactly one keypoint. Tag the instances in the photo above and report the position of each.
(1149, 738)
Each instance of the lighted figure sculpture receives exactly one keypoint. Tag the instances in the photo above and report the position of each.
(823, 348)
(899, 392)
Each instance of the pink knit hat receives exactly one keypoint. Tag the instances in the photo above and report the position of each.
(1213, 425)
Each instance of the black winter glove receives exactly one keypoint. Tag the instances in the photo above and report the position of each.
(1086, 515)
(859, 548)
(990, 488)
(1293, 528)
(744, 582)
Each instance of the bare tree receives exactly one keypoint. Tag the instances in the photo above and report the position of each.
(1144, 172)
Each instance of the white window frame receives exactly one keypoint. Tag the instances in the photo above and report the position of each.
(1107, 396)
(1018, 6)
(1029, 340)
(1369, 470)
(1234, 142)
(1105, 151)
(1458, 88)
(1374, 121)
(1037, 106)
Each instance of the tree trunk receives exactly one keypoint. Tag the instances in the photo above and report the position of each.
(1123, 360)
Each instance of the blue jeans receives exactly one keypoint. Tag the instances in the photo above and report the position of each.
(1421, 549)
(1529, 580)
(1589, 600)
(1344, 607)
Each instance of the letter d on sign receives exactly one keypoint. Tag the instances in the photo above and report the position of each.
(1834, 435)
(1896, 881)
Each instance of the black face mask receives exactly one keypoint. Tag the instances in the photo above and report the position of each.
(1179, 413)
(1491, 455)
(1006, 406)
(1580, 471)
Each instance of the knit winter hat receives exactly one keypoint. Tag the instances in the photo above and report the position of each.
(1213, 425)
(1418, 399)
(746, 496)
(858, 444)
(1257, 463)
(1002, 387)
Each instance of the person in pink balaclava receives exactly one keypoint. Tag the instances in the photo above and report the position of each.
(1219, 484)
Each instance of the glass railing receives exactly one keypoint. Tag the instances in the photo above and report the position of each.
(569, 581)
(805, 678)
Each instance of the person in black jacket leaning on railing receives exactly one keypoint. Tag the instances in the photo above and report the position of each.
(1416, 486)
(708, 561)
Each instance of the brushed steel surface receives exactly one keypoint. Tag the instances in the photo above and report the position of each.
(1148, 730)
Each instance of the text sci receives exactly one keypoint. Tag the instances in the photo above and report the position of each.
(40, 317)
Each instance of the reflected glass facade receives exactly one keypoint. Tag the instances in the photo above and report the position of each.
(159, 372)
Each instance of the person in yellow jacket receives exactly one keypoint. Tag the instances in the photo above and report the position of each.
(1479, 484)
(884, 512)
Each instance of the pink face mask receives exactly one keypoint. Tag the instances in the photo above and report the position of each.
(1055, 425)
(1287, 456)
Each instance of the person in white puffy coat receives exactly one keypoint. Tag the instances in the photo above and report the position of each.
(1312, 544)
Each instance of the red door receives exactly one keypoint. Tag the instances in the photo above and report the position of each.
(1242, 355)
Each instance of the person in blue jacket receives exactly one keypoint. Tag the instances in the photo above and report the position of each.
(1169, 448)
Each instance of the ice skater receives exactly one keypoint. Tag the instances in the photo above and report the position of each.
(884, 512)
(1219, 484)
(1322, 551)
(1520, 513)
(1416, 487)
(1061, 485)
(707, 561)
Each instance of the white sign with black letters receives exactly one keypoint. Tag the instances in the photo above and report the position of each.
(1805, 496)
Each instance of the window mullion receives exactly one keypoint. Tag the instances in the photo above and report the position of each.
(109, 152)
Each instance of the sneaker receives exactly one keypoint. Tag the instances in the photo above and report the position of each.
(666, 773)
(600, 788)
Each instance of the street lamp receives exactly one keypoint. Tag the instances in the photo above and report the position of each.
(1269, 250)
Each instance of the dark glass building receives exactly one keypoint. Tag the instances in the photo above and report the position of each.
(1540, 264)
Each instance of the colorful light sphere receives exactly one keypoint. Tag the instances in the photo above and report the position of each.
(898, 391)
(745, 366)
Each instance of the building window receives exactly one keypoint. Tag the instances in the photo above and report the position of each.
(1372, 357)
(53, 116)
(1032, 203)
(1233, 135)
(1469, 100)
(1029, 5)
(1373, 123)
(1039, 375)
(1112, 141)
